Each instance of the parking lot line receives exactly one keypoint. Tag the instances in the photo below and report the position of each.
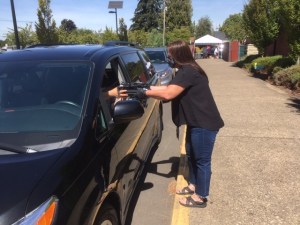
(181, 214)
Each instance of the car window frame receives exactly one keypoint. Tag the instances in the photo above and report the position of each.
(125, 67)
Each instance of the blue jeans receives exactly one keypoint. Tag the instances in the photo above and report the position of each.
(199, 148)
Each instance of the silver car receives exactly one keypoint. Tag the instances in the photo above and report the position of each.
(158, 57)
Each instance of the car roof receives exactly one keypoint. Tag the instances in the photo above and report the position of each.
(64, 52)
(155, 49)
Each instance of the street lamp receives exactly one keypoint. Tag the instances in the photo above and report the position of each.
(115, 5)
(116, 12)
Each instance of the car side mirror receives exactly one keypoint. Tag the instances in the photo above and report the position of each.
(127, 110)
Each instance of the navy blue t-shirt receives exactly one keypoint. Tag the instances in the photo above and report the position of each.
(195, 106)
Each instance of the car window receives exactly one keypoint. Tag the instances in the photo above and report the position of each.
(100, 124)
(112, 77)
(150, 68)
(157, 56)
(42, 96)
(135, 67)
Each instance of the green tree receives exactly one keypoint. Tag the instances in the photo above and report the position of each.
(80, 36)
(261, 23)
(289, 14)
(26, 36)
(203, 27)
(109, 35)
(147, 15)
(67, 25)
(154, 38)
(183, 33)
(138, 36)
(2, 43)
(122, 30)
(234, 28)
(46, 27)
(178, 14)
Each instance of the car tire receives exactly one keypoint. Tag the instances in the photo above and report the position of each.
(107, 216)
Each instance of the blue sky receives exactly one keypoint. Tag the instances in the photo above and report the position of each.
(93, 14)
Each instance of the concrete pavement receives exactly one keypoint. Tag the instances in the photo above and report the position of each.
(255, 167)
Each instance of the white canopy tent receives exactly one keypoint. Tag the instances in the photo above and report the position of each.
(208, 40)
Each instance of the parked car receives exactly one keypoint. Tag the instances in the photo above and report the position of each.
(158, 57)
(69, 154)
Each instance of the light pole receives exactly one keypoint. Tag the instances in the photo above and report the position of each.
(164, 25)
(15, 24)
(116, 12)
(115, 5)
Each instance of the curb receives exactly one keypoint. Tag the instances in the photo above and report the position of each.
(181, 214)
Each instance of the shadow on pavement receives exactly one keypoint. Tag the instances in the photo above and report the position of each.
(150, 167)
(295, 102)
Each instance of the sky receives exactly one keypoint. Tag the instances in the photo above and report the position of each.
(94, 15)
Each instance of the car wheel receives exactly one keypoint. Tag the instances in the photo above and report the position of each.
(107, 216)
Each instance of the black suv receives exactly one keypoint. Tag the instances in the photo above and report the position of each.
(69, 153)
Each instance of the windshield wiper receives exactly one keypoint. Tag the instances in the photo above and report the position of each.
(15, 148)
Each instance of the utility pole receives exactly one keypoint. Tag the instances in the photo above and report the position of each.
(164, 23)
(15, 24)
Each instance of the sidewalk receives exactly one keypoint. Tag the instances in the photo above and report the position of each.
(256, 159)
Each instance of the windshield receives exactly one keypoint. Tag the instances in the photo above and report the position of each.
(41, 96)
(157, 56)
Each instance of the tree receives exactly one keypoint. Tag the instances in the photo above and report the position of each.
(147, 15)
(26, 35)
(182, 33)
(109, 35)
(138, 36)
(67, 25)
(178, 14)
(154, 38)
(289, 16)
(261, 23)
(46, 27)
(203, 27)
(2, 43)
(122, 30)
(233, 27)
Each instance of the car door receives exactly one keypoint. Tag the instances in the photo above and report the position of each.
(139, 135)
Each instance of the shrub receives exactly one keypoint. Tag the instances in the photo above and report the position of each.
(277, 69)
(268, 63)
(246, 61)
(295, 78)
(284, 62)
(289, 77)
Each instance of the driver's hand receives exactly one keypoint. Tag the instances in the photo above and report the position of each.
(122, 93)
(115, 92)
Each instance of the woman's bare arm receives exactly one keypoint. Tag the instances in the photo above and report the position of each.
(164, 92)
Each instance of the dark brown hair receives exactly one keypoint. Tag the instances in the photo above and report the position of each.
(182, 55)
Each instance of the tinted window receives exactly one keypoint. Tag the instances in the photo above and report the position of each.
(42, 96)
(148, 64)
(135, 67)
(157, 56)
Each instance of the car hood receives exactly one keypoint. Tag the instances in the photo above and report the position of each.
(19, 175)
(160, 66)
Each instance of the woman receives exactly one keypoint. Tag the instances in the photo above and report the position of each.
(193, 105)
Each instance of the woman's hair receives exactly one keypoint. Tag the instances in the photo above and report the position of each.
(182, 55)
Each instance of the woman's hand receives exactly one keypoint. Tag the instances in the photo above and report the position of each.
(115, 92)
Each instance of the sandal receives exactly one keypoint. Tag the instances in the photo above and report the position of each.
(185, 191)
(190, 202)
